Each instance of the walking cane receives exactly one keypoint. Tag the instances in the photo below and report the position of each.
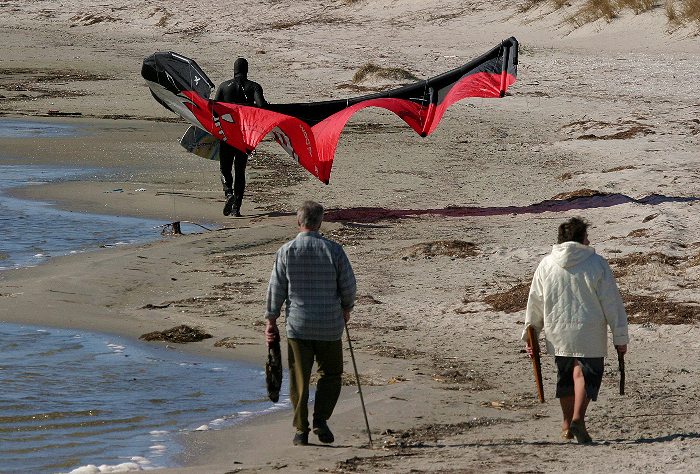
(359, 388)
(621, 367)
(536, 364)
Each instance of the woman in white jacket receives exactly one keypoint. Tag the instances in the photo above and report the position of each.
(574, 298)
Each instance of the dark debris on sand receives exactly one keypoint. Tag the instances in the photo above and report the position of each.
(348, 380)
(431, 433)
(227, 342)
(510, 301)
(647, 309)
(514, 404)
(640, 308)
(636, 259)
(369, 463)
(367, 299)
(385, 350)
(626, 134)
(447, 248)
(579, 193)
(180, 334)
(457, 375)
(349, 235)
(402, 443)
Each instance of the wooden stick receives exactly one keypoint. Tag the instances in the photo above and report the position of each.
(536, 365)
(359, 387)
(621, 366)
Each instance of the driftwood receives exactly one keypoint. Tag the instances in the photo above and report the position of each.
(175, 228)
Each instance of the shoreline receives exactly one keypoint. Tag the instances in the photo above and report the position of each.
(190, 442)
(130, 363)
(203, 450)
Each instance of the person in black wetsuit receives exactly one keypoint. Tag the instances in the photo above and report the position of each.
(238, 90)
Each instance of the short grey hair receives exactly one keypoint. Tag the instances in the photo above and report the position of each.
(310, 215)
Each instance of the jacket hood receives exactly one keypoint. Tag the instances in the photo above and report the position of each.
(240, 67)
(569, 254)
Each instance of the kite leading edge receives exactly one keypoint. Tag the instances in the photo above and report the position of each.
(309, 132)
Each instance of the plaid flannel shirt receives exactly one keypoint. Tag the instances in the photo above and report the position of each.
(313, 276)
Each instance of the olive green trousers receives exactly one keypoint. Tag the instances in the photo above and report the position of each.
(329, 359)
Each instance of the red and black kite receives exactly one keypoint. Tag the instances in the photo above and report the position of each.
(309, 132)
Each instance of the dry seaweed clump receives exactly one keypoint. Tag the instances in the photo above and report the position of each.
(385, 350)
(415, 437)
(637, 259)
(626, 134)
(180, 334)
(579, 193)
(694, 260)
(349, 235)
(227, 342)
(647, 309)
(510, 301)
(372, 71)
(448, 248)
(348, 380)
(456, 375)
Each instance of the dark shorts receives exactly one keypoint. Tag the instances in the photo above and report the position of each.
(592, 373)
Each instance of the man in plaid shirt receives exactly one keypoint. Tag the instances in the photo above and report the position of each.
(313, 276)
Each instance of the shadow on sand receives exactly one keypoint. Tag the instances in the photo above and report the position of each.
(598, 200)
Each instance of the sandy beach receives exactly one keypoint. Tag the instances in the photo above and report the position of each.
(444, 233)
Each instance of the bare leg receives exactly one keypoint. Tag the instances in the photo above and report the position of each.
(567, 410)
(580, 398)
(578, 418)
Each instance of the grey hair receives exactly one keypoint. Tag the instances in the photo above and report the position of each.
(310, 215)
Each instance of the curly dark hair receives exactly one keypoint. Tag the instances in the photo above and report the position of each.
(573, 230)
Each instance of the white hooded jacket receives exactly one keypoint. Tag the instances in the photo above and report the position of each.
(574, 297)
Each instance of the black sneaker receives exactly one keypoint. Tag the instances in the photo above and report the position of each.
(230, 200)
(237, 212)
(323, 432)
(301, 438)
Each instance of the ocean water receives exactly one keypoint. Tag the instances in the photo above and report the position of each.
(31, 231)
(72, 399)
(10, 128)
(34, 231)
(78, 400)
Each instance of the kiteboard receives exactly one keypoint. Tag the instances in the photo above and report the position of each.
(201, 143)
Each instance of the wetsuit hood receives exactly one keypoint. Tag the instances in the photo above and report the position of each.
(240, 68)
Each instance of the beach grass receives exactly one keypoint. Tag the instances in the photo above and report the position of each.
(678, 12)
(372, 70)
(681, 12)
